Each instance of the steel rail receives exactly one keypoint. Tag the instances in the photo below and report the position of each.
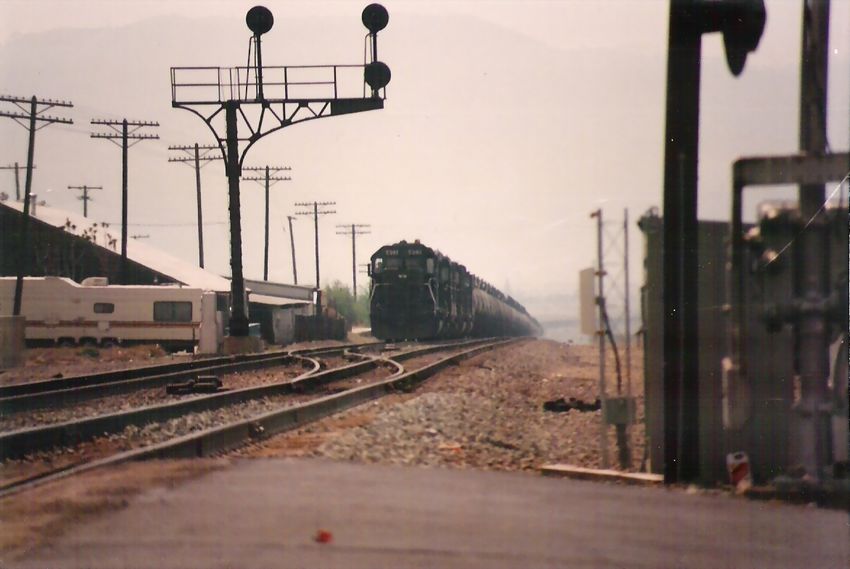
(54, 384)
(19, 443)
(80, 391)
(227, 437)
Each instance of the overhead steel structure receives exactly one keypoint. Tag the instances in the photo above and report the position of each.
(266, 99)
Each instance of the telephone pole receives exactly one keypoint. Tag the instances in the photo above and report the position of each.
(316, 213)
(17, 179)
(290, 219)
(271, 177)
(31, 118)
(85, 196)
(354, 230)
(294, 94)
(193, 154)
(125, 131)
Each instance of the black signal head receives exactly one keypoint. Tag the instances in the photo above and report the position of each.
(259, 20)
(742, 31)
(375, 18)
(377, 75)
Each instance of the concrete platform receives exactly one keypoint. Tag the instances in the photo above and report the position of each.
(265, 513)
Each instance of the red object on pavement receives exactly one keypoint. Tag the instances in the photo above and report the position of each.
(323, 536)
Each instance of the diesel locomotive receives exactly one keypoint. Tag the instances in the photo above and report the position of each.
(418, 293)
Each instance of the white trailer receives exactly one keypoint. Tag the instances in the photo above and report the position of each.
(58, 310)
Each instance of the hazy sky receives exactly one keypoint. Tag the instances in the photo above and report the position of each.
(506, 124)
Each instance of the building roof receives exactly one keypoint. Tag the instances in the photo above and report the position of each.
(281, 290)
(155, 259)
(275, 300)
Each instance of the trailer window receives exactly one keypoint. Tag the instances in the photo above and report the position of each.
(172, 311)
(104, 308)
(377, 265)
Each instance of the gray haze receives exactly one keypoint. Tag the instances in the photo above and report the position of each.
(506, 124)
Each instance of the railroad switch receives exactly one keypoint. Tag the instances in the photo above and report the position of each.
(202, 384)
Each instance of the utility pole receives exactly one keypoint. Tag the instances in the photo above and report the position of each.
(32, 119)
(812, 423)
(628, 325)
(85, 196)
(295, 94)
(17, 179)
(742, 24)
(600, 332)
(271, 177)
(316, 213)
(290, 219)
(124, 131)
(354, 230)
(192, 154)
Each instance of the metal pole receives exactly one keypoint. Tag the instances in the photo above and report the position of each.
(600, 332)
(812, 421)
(260, 95)
(200, 210)
(292, 245)
(124, 193)
(239, 316)
(628, 316)
(681, 394)
(316, 224)
(627, 303)
(23, 258)
(353, 261)
(266, 250)
(17, 184)
(85, 201)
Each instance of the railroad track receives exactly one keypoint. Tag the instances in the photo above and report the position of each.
(57, 393)
(280, 415)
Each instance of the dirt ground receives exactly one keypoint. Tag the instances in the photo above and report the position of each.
(32, 518)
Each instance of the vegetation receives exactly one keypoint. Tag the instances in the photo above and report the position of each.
(339, 296)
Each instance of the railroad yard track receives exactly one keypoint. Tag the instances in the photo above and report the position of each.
(39, 447)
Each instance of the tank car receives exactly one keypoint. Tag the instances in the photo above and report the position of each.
(418, 293)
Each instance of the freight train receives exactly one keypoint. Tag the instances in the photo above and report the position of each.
(418, 293)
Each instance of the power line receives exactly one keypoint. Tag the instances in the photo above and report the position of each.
(85, 196)
(35, 120)
(192, 154)
(17, 178)
(354, 230)
(125, 131)
(316, 213)
(271, 177)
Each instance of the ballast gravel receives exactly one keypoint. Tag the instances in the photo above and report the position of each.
(485, 413)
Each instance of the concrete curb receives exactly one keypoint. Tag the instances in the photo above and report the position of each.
(579, 473)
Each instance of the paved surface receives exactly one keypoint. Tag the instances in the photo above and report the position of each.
(265, 513)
